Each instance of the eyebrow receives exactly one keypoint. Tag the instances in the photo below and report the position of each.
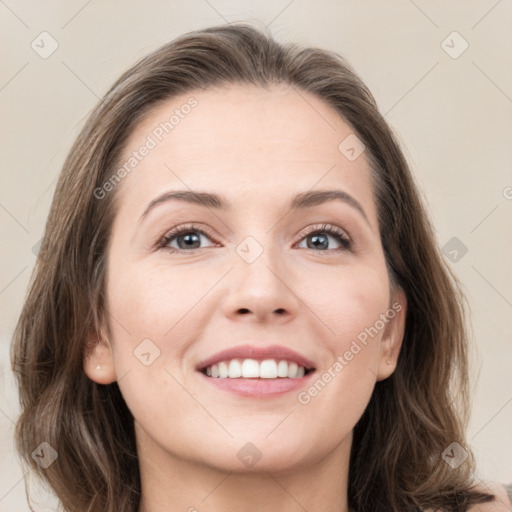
(300, 201)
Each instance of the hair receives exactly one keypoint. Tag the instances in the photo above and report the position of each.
(396, 459)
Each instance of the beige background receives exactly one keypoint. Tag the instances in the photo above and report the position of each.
(453, 115)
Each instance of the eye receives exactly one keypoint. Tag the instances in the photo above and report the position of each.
(318, 238)
(187, 239)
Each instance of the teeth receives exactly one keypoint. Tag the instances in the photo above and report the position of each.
(282, 369)
(235, 369)
(252, 369)
(268, 369)
(223, 370)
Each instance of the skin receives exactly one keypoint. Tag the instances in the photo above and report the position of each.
(258, 148)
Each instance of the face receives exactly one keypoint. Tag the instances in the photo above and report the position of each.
(254, 273)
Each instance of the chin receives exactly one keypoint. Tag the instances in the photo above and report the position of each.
(257, 453)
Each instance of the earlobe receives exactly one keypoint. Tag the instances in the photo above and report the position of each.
(98, 359)
(393, 335)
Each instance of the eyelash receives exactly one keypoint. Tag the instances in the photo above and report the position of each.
(335, 232)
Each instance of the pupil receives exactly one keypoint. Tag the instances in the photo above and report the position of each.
(190, 239)
(316, 238)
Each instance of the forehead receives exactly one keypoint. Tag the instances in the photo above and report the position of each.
(245, 142)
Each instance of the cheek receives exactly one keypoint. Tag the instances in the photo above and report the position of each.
(351, 312)
(152, 320)
(349, 303)
(152, 300)
(157, 313)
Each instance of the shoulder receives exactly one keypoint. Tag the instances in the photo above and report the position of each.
(501, 502)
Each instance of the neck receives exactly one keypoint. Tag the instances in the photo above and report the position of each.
(170, 484)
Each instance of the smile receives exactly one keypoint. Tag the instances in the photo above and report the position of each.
(253, 369)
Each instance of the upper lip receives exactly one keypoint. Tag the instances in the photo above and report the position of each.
(259, 353)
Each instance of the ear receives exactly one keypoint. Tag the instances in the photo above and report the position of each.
(393, 335)
(98, 358)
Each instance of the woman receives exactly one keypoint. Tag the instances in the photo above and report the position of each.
(239, 302)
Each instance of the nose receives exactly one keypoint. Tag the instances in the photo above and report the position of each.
(261, 291)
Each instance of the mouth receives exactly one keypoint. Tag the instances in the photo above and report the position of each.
(254, 369)
(257, 371)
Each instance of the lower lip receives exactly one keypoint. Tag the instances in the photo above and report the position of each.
(258, 387)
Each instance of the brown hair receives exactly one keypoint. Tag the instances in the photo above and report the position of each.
(413, 416)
